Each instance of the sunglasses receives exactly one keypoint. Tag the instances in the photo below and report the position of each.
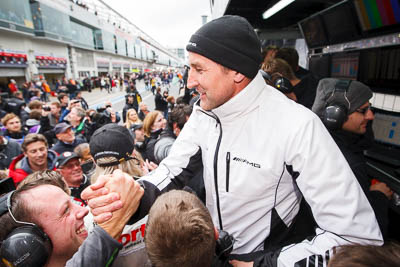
(364, 110)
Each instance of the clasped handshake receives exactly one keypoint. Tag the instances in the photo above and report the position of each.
(113, 199)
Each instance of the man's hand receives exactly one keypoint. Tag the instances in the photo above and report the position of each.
(148, 166)
(382, 187)
(45, 113)
(130, 193)
(108, 196)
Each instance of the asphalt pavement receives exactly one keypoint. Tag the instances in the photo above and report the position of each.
(97, 98)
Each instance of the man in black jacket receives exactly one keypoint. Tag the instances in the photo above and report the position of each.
(132, 101)
(353, 136)
(161, 102)
(8, 150)
(66, 138)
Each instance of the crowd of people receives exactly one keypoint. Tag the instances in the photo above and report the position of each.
(260, 163)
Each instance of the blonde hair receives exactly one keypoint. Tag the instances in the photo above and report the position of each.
(130, 167)
(8, 117)
(149, 121)
(129, 122)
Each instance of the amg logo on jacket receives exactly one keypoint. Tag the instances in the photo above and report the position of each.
(256, 165)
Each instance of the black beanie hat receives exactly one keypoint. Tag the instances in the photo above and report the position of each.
(230, 41)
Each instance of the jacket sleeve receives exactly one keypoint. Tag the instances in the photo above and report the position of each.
(63, 115)
(162, 148)
(183, 161)
(99, 249)
(339, 206)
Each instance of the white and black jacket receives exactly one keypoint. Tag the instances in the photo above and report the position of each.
(261, 153)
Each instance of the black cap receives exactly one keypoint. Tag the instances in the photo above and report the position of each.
(230, 41)
(61, 127)
(64, 158)
(112, 140)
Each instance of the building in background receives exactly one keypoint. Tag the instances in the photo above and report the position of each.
(75, 39)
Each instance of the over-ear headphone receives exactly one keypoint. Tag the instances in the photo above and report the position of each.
(337, 106)
(278, 81)
(27, 245)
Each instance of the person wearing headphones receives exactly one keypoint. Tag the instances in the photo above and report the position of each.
(281, 76)
(50, 230)
(343, 106)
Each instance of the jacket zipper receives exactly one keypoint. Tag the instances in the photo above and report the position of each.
(215, 167)
(228, 163)
(216, 173)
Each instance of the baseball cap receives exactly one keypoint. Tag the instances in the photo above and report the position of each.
(112, 140)
(64, 157)
(61, 127)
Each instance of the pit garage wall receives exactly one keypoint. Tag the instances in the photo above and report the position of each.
(32, 46)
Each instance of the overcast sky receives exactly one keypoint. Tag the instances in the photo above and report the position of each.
(169, 22)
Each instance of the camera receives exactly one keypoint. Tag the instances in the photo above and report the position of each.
(101, 117)
(46, 108)
(224, 245)
(127, 96)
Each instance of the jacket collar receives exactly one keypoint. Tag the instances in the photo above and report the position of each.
(353, 142)
(241, 103)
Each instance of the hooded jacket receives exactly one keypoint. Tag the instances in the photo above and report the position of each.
(262, 153)
(19, 167)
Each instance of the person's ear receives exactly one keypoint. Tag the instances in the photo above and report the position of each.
(238, 78)
(216, 233)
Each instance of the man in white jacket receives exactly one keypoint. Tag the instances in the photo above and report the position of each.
(262, 153)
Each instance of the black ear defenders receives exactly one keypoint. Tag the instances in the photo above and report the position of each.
(337, 106)
(27, 245)
(278, 81)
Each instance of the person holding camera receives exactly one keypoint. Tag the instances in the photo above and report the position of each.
(161, 102)
(79, 97)
(55, 113)
(71, 104)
